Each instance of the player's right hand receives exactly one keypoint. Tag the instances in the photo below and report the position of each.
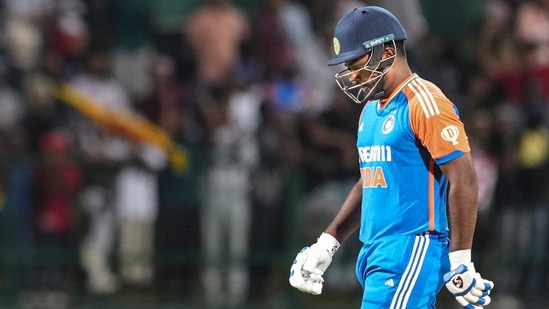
(468, 287)
(311, 263)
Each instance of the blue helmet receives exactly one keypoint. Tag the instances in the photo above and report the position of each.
(363, 28)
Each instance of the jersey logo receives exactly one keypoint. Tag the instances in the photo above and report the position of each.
(373, 177)
(376, 153)
(450, 134)
(425, 98)
(388, 125)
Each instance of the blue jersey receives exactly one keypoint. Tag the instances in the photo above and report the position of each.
(401, 142)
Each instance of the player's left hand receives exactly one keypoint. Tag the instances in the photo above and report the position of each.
(468, 287)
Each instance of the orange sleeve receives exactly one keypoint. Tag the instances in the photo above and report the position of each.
(434, 120)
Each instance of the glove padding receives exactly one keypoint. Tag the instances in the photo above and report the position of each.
(468, 287)
(311, 263)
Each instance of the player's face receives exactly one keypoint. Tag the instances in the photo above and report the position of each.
(360, 74)
(362, 80)
(359, 80)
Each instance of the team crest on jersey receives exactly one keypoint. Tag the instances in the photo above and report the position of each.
(388, 125)
(337, 46)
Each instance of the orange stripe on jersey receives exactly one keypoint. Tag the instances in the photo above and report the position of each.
(434, 120)
(425, 98)
(431, 195)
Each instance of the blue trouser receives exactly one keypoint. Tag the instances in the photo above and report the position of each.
(403, 271)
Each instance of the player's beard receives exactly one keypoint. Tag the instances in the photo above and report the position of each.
(374, 87)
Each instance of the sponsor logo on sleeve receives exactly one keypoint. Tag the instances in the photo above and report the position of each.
(450, 134)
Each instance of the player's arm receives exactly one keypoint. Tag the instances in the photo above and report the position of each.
(347, 219)
(441, 131)
(311, 262)
(462, 200)
(463, 281)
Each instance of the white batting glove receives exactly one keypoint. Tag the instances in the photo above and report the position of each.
(311, 263)
(467, 286)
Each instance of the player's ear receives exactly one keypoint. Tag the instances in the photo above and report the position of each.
(389, 51)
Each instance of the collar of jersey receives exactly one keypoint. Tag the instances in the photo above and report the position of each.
(382, 104)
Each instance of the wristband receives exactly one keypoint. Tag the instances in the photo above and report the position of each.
(460, 257)
(329, 242)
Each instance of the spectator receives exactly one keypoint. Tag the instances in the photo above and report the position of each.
(22, 27)
(216, 32)
(55, 188)
(532, 21)
(12, 107)
(44, 111)
(231, 121)
(169, 104)
(102, 153)
(133, 40)
(290, 25)
(273, 52)
(136, 203)
(268, 196)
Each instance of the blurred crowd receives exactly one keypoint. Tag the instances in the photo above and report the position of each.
(93, 205)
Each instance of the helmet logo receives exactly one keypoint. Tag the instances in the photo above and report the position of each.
(337, 46)
(378, 41)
